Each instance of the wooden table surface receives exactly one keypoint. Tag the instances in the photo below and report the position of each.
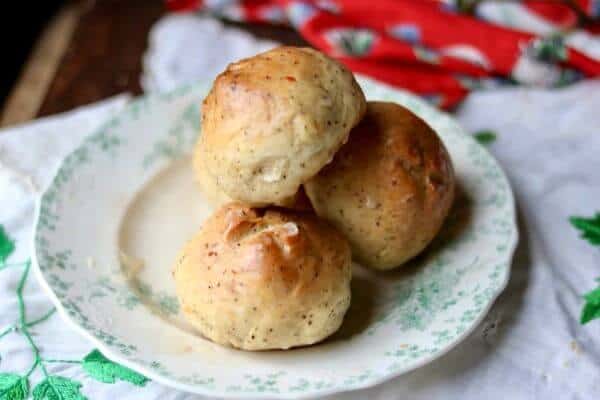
(104, 41)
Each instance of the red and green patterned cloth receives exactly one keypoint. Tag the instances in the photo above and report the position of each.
(431, 47)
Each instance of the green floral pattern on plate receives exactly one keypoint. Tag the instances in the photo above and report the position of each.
(419, 312)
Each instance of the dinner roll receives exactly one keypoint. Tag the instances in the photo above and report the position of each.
(388, 189)
(217, 198)
(212, 193)
(259, 279)
(274, 120)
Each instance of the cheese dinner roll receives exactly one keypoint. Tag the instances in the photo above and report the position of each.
(272, 121)
(259, 279)
(388, 189)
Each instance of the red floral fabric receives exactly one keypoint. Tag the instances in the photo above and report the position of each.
(428, 46)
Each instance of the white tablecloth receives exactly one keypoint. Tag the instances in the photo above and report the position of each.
(531, 344)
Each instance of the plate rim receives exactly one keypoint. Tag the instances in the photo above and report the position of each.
(289, 395)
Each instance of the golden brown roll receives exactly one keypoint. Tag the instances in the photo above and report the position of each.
(264, 279)
(274, 120)
(388, 189)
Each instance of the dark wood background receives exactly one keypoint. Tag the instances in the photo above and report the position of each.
(104, 54)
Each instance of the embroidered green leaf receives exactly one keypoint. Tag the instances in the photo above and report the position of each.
(589, 227)
(590, 231)
(7, 246)
(104, 370)
(485, 137)
(58, 388)
(593, 296)
(591, 310)
(13, 387)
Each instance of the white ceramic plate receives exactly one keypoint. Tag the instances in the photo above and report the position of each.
(127, 194)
